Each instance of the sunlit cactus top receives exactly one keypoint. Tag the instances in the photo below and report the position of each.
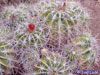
(30, 35)
(69, 12)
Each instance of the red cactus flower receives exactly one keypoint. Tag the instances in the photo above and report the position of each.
(31, 27)
(64, 4)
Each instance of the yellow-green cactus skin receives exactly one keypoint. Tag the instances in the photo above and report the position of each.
(26, 38)
(85, 49)
(51, 64)
(59, 14)
(6, 58)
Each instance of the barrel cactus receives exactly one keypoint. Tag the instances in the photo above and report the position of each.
(24, 24)
(13, 16)
(60, 15)
(83, 50)
(30, 35)
(16, 14)
(6, 58)
(51, 64)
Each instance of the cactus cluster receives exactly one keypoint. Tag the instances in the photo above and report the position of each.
(37, 32)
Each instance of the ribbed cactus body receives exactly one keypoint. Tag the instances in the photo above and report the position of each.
(17, 19)
(51, 64)
(61, 15)
(6, 58)
(30, 38)
(85, 49)
(13, 16)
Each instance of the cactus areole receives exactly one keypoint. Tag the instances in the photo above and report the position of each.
(31, 27)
